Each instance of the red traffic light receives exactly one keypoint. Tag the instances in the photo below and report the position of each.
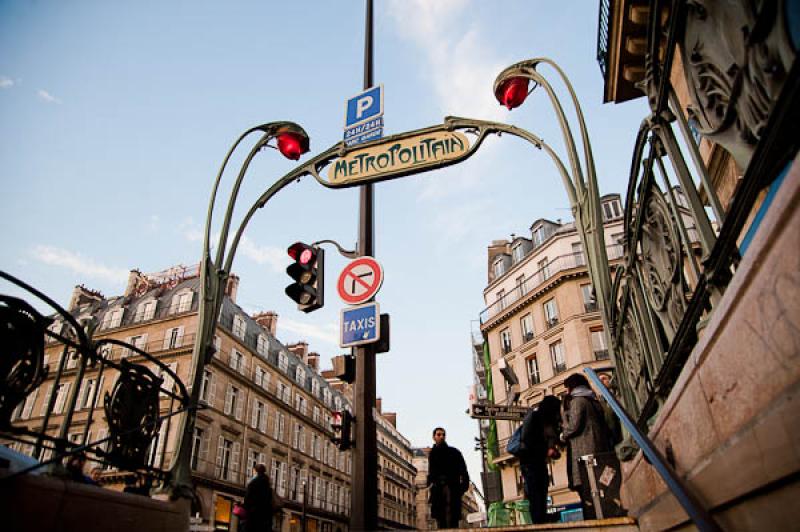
(302, 253)
(512, 92)
(292, 145)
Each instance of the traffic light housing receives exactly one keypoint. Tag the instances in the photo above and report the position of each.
(308, 273)
(341, 425)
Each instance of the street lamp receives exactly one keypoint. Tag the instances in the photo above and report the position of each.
(292, 141)
(511, 90)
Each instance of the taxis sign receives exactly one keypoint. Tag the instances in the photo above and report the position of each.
(398, 156)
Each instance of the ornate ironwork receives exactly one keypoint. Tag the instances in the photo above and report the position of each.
(132, 409)
(132, 413)
(21, 353)
(677, 263)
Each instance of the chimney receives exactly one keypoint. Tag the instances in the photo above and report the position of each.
(391, 417)
(300, 349)
(82, 295)
(378, 404)
(268, 320)
(232, 286)
(313, 361)
(135, 279)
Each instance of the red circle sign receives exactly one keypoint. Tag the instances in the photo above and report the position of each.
(360, 280)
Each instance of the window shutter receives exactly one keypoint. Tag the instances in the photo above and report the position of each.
(228, 400)
(205, 441)
(244, 365)
(234, 469)
(220, 451)
(239, 406)
(212, 389)
(29, 402)
(262, 426)
(167, 338)
(253, 413)
(61, 398)
(232, 359)
(179, 339)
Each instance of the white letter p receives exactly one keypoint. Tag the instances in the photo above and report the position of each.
(362, 105)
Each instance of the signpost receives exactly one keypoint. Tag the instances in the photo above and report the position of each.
(363, 119)
(360, 325)
(504, 412)
(360, 281)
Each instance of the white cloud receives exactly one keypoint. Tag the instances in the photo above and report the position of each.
(328, 333)
(85, 266)
(6, 83)
(190, 231)
(153, 223)
(47, 97)
(276, 258)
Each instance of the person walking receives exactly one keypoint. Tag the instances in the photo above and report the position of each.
(585, 431)
(448, 480)
(539, 441)
(258, 502)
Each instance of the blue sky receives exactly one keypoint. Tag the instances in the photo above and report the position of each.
(115, 116)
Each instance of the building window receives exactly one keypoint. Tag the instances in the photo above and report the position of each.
(299, 438)
(279, 426)
(258, 417)
(86, 393)
(539, 236)
(611, 209)
(261, 344)
(589, 302)
(315, 387)
(233, 402)
(505, 341)
(534, 376)
(300, 403)
(497, 267)
(517, 253)
(526, 324)
(557, 357)
(544, 267)
(227, 459)
(522, 287)
(261, 377)
(138, 341)
(316, 414)
(182, 302)
(501, 299)
(283, 362)
(283, 392)
(112, 318)
(300, 375)
(599, 346)
(173, 338)
(551, 313)
(145, 311)
(239, 326)
(199, 447)
(237, 362)
(207, 389)
(577, 254)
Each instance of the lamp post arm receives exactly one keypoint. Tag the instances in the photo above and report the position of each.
(226, 224)
(209, 216)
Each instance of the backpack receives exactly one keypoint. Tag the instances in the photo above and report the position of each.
(514, 445)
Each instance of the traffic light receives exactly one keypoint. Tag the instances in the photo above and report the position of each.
(341, 424)
(308, 274)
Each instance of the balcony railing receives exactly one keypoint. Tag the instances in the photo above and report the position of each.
(543, 275)
(601, 354)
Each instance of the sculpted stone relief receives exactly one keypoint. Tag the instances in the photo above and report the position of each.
(736, 55)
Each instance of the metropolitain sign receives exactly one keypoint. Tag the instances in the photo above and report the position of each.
(399, 156)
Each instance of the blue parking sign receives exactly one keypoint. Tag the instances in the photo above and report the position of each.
(364, 106)
(360, 325)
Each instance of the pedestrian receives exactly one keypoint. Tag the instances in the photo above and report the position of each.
(539, 441)
(75, 466)
(258, 502)
(585, 431)
(448, 480)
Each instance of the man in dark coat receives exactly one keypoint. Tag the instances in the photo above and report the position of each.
(586, 432)
(258, 502)
(448, 480)
(539, 439)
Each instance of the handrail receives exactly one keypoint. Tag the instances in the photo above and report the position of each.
(701, 518)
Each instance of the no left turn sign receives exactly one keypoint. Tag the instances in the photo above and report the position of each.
(360, 281)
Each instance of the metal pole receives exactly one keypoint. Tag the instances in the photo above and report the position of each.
(364, 503)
